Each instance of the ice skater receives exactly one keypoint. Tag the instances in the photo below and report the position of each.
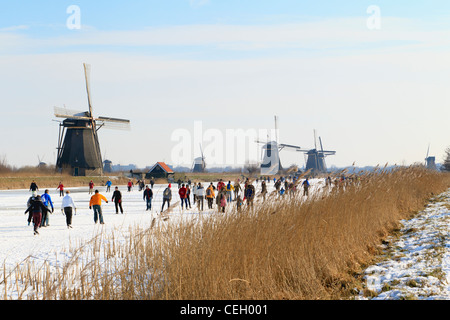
(67, 208)
(167, 197)
(37, 208)
(47, 201)
(148, 196)
(117, 198)
(96, 204)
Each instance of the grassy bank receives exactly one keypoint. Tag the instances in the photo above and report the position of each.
(48, 179)
(282, 249)
(52, 181)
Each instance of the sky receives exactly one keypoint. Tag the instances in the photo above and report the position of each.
(371, 78)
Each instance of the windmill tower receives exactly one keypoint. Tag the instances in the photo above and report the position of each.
(107, 166)
(41, 163)
(271, 162)
(316, 157)
(430, 162)
(199, 163)
(78, 145)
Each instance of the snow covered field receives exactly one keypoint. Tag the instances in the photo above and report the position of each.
(418, 264)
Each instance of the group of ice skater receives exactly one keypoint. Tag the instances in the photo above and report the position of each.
(39, 207)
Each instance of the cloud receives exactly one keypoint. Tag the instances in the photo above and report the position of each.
(344, 34)
(14, 28)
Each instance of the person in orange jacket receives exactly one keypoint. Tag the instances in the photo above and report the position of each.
(96, 204)
(210, 195)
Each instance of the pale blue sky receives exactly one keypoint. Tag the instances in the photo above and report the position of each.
(375, 96)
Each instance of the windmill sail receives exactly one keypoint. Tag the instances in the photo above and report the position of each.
(113, 123)
(87, 75)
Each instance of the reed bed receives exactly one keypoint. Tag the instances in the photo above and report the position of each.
(289, 248)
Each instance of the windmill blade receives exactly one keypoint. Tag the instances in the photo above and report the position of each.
(70, 114)
(323, 154)
(321, 146)
(113, 123)
(315, 140)
(276, 129)
(297, 148)
(87, 75)
(201, 150)
(326, 152)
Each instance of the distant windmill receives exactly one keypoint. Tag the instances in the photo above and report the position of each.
(271, 162)
(107, 166)
(430, 162)
(316, 158)
(41, 163)
(78, 145)
(199, 165)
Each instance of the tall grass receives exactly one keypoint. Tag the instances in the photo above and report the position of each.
(290, 248)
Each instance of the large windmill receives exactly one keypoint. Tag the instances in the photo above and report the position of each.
(78, 146)
(316, 157)
(199, 165)
(271, 162)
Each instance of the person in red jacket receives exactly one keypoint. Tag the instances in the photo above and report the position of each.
(220, 185)
(61, 189)
(183, 192)
(91, 187)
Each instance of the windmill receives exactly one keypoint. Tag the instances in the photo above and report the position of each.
(41, 163)
(78, 145)
(430, 162)
(271, 162)
(316, 158)
(199, 163)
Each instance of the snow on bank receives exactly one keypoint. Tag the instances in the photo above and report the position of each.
(416, 264)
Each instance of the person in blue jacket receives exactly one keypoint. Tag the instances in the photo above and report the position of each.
(47, 201)
(305, 187)
(108, 185)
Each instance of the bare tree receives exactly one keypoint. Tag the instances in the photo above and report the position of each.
(446, 164)
(251, 168)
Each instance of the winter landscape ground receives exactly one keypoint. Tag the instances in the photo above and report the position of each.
(415, 263)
